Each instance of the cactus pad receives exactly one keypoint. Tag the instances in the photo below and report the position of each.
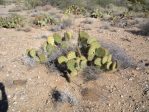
(71, 64)
(114, 66)
(101, 52)
(95, 44)
(42, 58)
(50, 49)
(51, 40)
(109, 58)
(62, 59)
(67, 35)
(71, 55)
(57, 38)
(108, 65)
(73, 73)
(97, 62)
(90, 40)
(83, 34)
(32, 53)
(44, 46)
(91, 53)
(104, 59)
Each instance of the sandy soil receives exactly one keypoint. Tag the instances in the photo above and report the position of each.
(29, 89)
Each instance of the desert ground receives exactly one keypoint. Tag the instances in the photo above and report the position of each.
(30, 88)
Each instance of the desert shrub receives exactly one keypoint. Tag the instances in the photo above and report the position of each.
(2, 2)
(43, 20)
(32, 3)
(62, 25)
(105, 2)
(60, 96)
(12, 21)
(136, 1)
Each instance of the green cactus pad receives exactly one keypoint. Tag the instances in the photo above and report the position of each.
(95, 44)
(73, 73)
(83, 64)
(71, 64)
(97, 61)
(64, 45)
(90, 40)
(62, 59)
(44, 46)
(104, 59)
(57, 38)
(42, 58)
(71, 55)
(27, 51)
(83, 58)
(108, 65)
(67, 35)
(101, 52)
(50, 49)
(83, 34)
(109, 58)
(51, 40)
(113, 66)
(32, 53)
(78, 63)
(91, 53)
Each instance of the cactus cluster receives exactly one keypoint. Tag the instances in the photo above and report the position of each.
(43, 20)
(87, 53)
(50, 46)
(73, 63)
(36, 55)
(95, 54)
(76, 10)
(12, 21)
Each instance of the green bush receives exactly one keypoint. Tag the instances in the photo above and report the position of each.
(12, 21)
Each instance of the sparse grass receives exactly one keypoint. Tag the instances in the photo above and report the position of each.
(32, 3)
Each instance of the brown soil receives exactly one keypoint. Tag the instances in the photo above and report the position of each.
(29, 88)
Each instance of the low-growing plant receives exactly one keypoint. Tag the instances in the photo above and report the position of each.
(12, 21)
(43, 20)
(76, 10)
(96, 13)
(88, 52)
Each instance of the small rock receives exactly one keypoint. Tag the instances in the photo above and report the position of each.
(19, 82)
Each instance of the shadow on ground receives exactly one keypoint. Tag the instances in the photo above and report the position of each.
(143, 30)
(3, 99)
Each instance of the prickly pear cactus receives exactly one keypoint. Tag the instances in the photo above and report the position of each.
(62, 59)
(57, 38)
(51, 40)
(71, 55)
(67, 35)
(88, 52)
(32, 53)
